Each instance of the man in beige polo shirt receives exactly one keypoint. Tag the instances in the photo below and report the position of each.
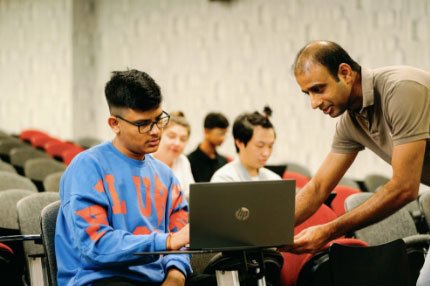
(386, 110)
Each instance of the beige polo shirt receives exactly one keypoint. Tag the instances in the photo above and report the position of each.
(396, 110)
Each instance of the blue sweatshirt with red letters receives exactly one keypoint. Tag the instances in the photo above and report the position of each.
(111, 207)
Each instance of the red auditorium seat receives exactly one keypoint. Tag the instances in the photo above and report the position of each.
(69, 154)
(293, 263)
(342, 192)
(26, 135)
(39, 141)
(301, 180)
(56, 148)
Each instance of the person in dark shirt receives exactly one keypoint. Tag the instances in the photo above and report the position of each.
(205, 160)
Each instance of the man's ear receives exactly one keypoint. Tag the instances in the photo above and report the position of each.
(114, 124)
(345, 72)
(239, 144)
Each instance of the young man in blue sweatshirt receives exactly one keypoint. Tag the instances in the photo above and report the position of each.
(116, 200)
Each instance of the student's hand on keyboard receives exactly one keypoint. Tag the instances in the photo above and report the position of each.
(180, 238)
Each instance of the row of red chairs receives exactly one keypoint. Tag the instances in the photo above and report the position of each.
(59, 149)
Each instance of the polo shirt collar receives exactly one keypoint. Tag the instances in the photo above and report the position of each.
(367, 88)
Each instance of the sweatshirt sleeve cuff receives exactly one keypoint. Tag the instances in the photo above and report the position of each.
(160, 241)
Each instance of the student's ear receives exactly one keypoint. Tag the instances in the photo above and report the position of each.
(239, 144)
(114, 124)
(345, 72)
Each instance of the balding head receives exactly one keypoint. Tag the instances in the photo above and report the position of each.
(326, 53)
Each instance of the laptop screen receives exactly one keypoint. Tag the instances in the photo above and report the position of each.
(238, 214)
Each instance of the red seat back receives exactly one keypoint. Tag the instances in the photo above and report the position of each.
(69, 154)
(39, 140)
(26, 135)
(293, 263)
(342, 192)
(301, 180)
(56, 148)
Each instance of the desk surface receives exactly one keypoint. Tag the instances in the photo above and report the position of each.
(209, 250)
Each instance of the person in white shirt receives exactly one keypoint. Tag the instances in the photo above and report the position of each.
(254, 137)
(171, 149)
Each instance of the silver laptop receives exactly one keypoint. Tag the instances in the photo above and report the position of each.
(242, 214)
(239, 215)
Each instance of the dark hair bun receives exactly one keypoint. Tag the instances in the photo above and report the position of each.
(267, 111)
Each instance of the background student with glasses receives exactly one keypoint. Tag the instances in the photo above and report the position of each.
(117, 200)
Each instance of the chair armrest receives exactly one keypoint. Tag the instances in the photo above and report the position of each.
(36, 255)
(35, 237)
(419, 240)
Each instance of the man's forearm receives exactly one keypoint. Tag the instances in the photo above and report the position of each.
(389, 199)
(174, 278)
(308, 200)
(313, 195)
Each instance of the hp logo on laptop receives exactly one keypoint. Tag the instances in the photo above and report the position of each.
(242, 214)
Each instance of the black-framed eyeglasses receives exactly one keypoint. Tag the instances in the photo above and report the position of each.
(146, 125)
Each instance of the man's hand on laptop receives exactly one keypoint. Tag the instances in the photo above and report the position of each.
(180, 238)
(310, 240)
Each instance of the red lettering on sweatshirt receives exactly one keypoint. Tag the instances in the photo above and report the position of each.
(141, 230)
(145, 211)
(176, 196)
(118, 206)
(95, 216)
(99, 187)
(160, 198)
(144, 230)
(178, 220)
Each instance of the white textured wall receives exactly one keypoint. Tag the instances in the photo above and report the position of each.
(206, 56)
(35, 61)
(84, 93)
